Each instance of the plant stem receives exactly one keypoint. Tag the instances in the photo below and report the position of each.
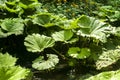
(63, 57)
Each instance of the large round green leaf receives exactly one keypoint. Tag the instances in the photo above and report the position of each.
(78, 53)
(91, 27)
(37, 43)
(11, 26)
(45, 19)
(41, 64)
(62, 35)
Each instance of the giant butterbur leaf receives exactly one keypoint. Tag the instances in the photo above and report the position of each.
(45, 20)
(78, 53)
(62, 35)
(13, 73)
(37, 43)
(11, 26)
(41, 64)
(90, 27)
(109, 75)
(7, 60)
(108, 58)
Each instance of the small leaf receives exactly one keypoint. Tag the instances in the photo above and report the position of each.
(41, 64)
(78, 53)
(37, 43)
(7, 60)
(62, 35)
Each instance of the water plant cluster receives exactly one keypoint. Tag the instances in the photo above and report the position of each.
(42, 35)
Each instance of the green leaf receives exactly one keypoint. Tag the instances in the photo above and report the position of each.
(107, 58)
(37, 43)
(11, 26)
(41, 64)
(7, 60)
(90, 27)
(78, 53)
(67, 24)
(45, 19)
(116, 31)
(109, 75)
(62, 35)
(8, 70)
(13, 73)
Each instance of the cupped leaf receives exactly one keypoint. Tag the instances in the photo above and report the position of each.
(78, 53)
(7, 60)
(11, 26)
(37, 43)
(108, 58)
(90, 27)
(13, 73)
(64, 35)
(109, 75)
(45, 19)
(41, 64)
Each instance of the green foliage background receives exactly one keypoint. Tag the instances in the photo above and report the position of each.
(45, 34)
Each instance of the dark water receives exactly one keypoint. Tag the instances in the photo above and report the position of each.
(60, 75)
(64, 74)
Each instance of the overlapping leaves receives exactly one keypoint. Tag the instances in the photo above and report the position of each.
(8, 70)
(13, 73)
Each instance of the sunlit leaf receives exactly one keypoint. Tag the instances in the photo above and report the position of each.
(11, 26)
(62, 35)
(13, 73)
(90, 27)
(116, 31)
(67, 24)
(45, 19)
(41, 64)
(37, 43)
(109, 75)
(8, 70)
(78, 53)
(108, 58)
(7, 60)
